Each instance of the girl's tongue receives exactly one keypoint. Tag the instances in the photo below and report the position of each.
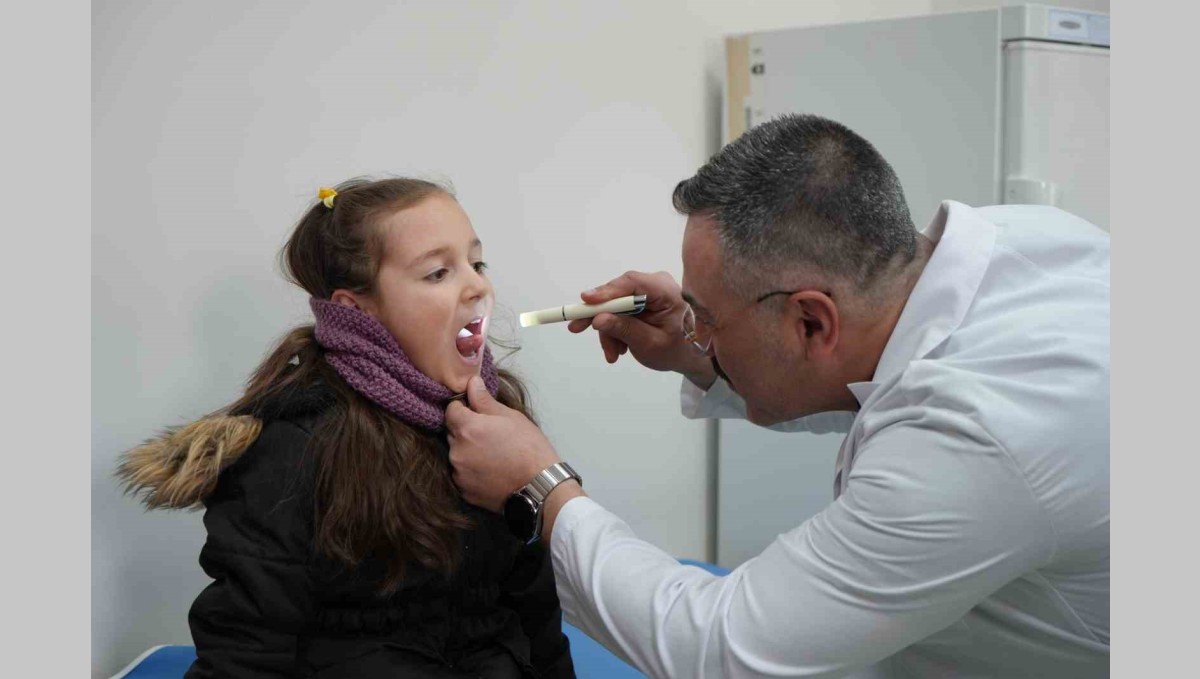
(473, 336)
(470, 339)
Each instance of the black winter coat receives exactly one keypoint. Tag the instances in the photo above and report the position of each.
(276, 610)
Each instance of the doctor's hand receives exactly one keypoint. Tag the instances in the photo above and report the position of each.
(655, 336)
(494, 449)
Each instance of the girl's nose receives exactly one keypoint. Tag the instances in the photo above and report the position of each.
(478, 286)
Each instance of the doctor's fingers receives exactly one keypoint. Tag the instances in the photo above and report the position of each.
(660, 289)
(458, 418)
(630, 332)
(473, 491)
(613, 348)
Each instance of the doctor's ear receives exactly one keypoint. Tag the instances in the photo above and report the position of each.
(818, 322)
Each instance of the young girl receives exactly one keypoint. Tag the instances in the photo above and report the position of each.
(337, 542)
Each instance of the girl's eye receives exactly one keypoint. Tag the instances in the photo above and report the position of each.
(437, 275)
(480, 267)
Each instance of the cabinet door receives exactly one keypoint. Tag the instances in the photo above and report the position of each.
(768, 483)
(925, 91)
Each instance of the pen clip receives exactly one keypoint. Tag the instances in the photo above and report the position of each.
(639, 305)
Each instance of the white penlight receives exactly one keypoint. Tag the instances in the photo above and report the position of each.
(572, 312)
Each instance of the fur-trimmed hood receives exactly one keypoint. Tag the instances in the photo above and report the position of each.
(179, 468)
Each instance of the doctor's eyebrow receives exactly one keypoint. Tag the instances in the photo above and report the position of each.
(696, 306)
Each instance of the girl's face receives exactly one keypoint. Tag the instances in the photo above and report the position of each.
(432, 293)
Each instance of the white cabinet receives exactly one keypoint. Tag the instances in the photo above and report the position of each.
(1056, 127)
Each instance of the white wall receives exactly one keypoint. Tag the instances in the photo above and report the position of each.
(564, 127)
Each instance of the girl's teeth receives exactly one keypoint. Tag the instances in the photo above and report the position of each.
(464, 333)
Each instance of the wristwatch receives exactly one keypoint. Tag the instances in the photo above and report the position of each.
(523, 509)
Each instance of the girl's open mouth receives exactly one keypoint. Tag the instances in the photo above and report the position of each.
(470, 339)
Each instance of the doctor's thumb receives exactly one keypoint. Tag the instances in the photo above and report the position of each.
(479, 398)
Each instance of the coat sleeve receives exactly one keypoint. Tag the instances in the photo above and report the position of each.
(936, 517)
(530, 590)
(247, 622)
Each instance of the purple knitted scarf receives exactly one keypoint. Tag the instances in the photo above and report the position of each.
(366, 355)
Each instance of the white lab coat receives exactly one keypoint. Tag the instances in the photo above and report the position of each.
(969, 534)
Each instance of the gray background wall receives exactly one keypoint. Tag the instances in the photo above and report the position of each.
(563, 126)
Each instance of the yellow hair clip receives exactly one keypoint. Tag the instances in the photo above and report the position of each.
(327, 195)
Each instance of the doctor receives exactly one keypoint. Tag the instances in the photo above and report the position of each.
(969, 367)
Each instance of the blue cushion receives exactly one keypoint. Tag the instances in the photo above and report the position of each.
(168, 662)
(710, 567)
(592, 661)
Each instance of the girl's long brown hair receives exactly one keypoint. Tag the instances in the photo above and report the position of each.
(383, 488)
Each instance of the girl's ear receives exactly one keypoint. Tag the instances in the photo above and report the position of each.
(344, 297)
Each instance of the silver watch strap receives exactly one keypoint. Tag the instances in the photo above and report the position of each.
(549, 478)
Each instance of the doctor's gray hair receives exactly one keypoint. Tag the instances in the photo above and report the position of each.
(801, 191)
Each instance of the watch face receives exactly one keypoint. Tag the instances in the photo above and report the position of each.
(520, 513)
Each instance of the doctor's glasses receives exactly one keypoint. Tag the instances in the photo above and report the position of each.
(699, 332)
